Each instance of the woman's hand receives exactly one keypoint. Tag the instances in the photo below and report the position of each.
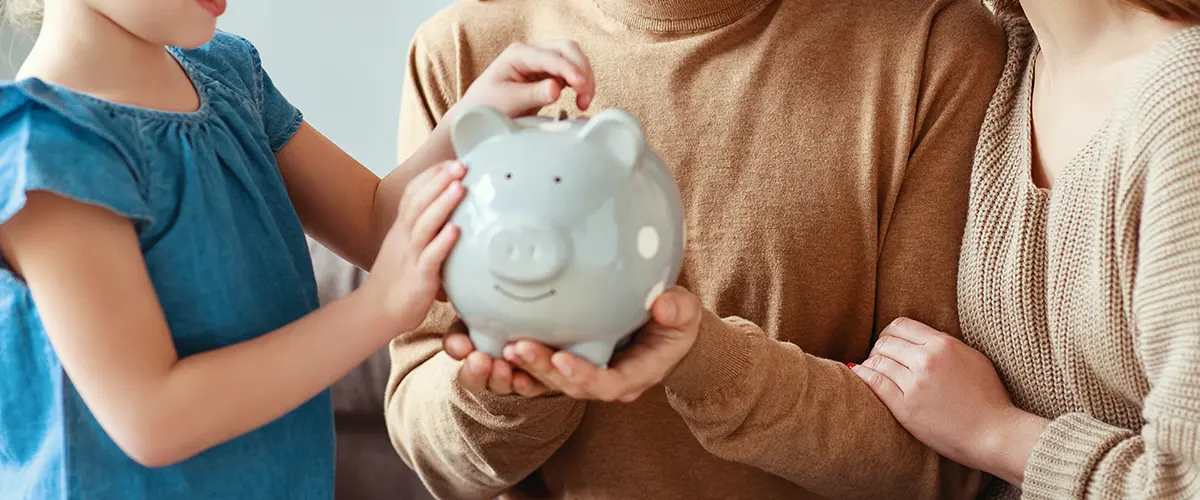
(662, 344)
(526, 78)
(949, 396)
(406, 277)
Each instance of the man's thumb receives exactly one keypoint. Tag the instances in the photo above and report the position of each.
(676, 308)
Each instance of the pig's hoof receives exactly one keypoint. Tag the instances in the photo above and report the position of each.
(598, 353)
(488, 344)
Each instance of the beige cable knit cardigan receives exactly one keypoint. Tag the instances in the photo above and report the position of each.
(1087, 297)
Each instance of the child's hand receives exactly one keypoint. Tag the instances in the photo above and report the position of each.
(406, 276)
(526, 78)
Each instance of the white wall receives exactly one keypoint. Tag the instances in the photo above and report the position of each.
(14, 45)
(341, 62)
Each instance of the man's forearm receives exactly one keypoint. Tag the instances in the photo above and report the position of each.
(460, 444)
(467, 446)
(757, 401)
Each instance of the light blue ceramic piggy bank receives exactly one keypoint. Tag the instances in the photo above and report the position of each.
(570, 230)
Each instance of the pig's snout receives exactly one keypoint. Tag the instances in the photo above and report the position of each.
(527, 253)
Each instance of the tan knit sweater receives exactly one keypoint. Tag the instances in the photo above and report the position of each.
(1087, 297)
(823, 150)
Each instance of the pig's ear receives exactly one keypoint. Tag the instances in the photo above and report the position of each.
(475, 125)
(618, 133)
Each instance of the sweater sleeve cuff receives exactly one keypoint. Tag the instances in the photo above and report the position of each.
(718, 358)
(536, 420)
(513, 405)
(1066, 454)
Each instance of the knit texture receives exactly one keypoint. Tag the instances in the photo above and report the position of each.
(823, 151)
(1086, 297)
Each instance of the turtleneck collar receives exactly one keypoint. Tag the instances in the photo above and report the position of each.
(675, 16)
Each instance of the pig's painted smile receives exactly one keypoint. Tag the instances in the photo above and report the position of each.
(520, 298)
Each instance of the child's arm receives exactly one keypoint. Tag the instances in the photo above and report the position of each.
(84, 268)
(346, 207)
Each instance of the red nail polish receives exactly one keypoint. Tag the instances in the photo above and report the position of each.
(851, 365)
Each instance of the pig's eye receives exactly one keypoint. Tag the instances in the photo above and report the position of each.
(507, 176)
(557, 180)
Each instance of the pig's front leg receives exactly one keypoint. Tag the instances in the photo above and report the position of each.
(489, 343)
(597, 352)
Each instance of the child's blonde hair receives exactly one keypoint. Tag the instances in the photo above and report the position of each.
(23, 13)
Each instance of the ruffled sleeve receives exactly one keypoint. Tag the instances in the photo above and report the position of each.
(280, 117)
(42, 149)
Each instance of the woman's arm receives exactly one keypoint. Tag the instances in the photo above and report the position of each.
(84, 267)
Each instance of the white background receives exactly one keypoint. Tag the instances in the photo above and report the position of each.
(341, 62)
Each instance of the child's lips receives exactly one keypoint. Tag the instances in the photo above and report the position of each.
(214, 7)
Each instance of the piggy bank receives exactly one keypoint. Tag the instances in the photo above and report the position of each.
(570, 229)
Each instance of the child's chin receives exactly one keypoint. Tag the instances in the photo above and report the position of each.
(194, 37)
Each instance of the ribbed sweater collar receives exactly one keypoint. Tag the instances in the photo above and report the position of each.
(676, 16)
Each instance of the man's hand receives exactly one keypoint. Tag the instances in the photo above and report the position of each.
(479, 372)
(526, 78)
(663, 343)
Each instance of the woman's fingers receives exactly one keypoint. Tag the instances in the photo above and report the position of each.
(883, 387)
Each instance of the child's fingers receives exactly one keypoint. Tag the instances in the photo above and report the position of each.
(417, 182)
(435, 215)
(418, 201)
(585, 91)
(570, 50)
(529, 60)
(435, 254)
(523, 97)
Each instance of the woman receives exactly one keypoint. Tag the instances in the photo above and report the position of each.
(1080, 270)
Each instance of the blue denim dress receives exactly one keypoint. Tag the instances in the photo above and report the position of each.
(224, 249)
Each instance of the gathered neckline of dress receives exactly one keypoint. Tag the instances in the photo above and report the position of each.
(200, 82)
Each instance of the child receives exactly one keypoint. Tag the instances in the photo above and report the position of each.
(159, 331)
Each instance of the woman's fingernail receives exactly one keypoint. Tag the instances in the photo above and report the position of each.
(562, 366)
(851, 365)
(527, 355)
